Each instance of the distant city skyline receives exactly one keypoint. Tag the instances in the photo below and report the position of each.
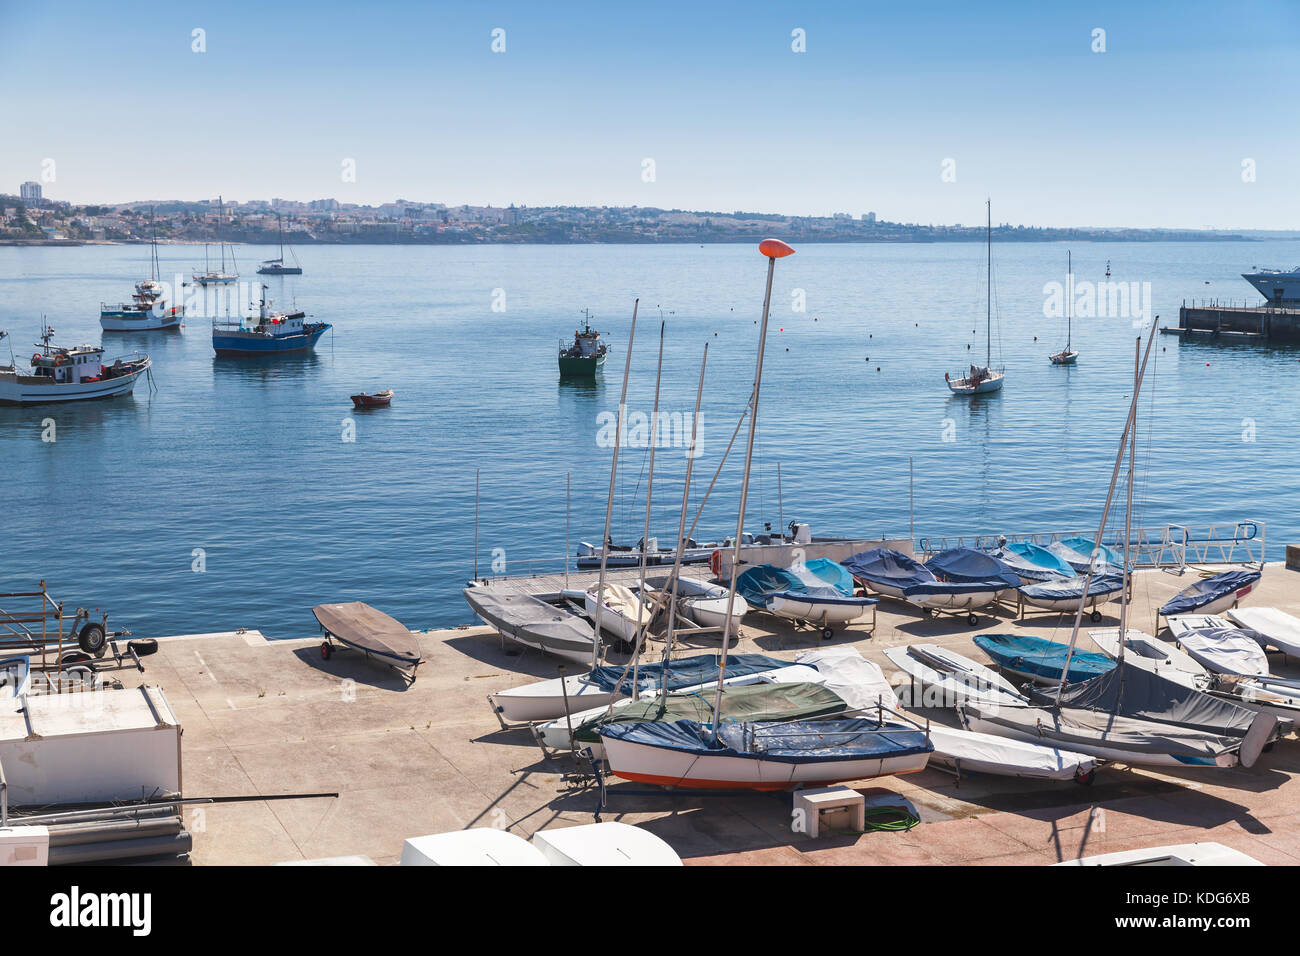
(915, 113)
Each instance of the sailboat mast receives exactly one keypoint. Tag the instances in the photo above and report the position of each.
(988, 289)
(221, 215)
(1128, 511)
(773, 249)
(1105, 512)
(645, 532)
(613, 472)
(681, 526)
(1069, 294)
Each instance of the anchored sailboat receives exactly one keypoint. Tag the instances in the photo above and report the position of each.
(276, 267)
(982, 378)
(210, 276)
(1067, 355)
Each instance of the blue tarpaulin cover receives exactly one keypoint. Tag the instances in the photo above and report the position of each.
(1041, 657)
(1033, 563)
(1210, 589)
(818, 577)
(797, 741)
(685, 672)
(968, 566)
(886, 566)
(1077, 551)
(1102, 584)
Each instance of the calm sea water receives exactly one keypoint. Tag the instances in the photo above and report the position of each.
(245, 462)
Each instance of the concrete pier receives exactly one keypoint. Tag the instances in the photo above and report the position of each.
(1233, 322)
(264, 718)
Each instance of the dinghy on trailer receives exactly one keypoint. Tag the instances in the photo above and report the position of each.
(966, 751)
(1040, 660)
(1213, 594)
(1273, 628)
(703, 602)
(624, 612)
(370, 631)
(1078, 552)
(819, 592)
(944, 678)
(894, 574)
(530, 621)
(764, 755)
(1033, 563)
(1068, 594)
(969, 566)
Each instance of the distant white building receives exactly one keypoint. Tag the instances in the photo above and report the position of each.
(869, 217)
(30, 192)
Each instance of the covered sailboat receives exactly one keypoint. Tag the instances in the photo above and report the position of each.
(1273, 628)
(941, 677)
(532, 622)
(1079, 553)
(1218, 646)
(895, 574)
(1033, 563)
(1040, 660)
(1213, 594)
(764, 755)
(703, 602)
(1070, 593)
(818, 591)
(966, 751)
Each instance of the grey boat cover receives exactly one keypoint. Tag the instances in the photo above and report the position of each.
(1129, 691)
(740, 702)
(370, 630)
(1109, 582)
(683, 672)
(530, 620)
(1075, 726)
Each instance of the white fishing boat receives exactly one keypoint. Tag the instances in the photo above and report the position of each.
(982, 378)
(966, 751)
(148, 309)
(944, 678)
(1067, 355)
(1274, 628)
(69, 374)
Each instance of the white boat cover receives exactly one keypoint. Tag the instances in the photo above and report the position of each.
(604, 844)
(1275, 628)
(477, 846)
(621, 600)
(1222, 648)
(948, 678)
(859, 682)
(1003, 756)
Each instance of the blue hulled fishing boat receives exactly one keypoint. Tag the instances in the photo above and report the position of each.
(267, 332)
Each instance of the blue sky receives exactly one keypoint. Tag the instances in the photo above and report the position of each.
(1152, 132)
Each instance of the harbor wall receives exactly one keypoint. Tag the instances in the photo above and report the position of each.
(1271, 324)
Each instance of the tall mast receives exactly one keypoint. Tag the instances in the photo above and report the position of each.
(681, 526)
(645, 533)
(1069, 294)
(988, 286)
(774, 249)
(1128, 509)
(1105, 511)
(613, 471)
(221, 214)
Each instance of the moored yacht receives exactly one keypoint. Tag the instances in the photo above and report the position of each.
(1281, 287)
(148, 308)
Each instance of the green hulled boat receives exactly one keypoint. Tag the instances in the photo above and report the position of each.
(585, 355)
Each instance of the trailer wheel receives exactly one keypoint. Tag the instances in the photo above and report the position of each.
(1085, 779)
(325, 650)
(93, 640)
(1095, 616)
(926, 612)
(827, 633)
(972, 620)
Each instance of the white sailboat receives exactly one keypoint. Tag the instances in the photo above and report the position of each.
(982, 378)
(1067, 355)
(210, 276)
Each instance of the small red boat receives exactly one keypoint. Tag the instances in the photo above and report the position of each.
(377, 400)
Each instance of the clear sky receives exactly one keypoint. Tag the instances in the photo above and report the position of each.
(1152, 132)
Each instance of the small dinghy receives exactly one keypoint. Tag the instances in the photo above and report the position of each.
(764, 755)
(1041, 660)
(1213, 594)
(819, 592)
(15, 675)
(944, 678)
(623, 615)
(546, 700)
(370, 631)
(1273, 628)
(1078, 553)
(1218, 646)
(377, 400)
(969, 566)
(1068, 594)
(1033, 563)
(1104, 735)
(966, 751)
(894, 574)
(532, 622)
(888, 572)
(702, 602)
